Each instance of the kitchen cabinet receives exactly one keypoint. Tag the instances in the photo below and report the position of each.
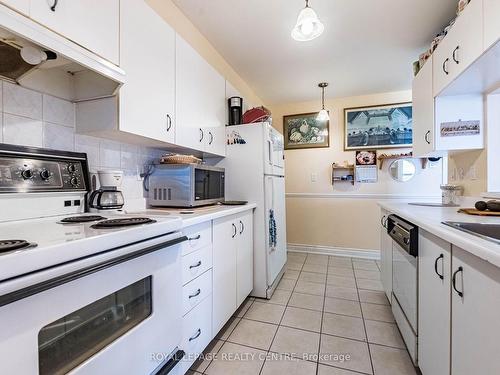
(200, 101)
(22, 6)
(244, 257)
(491, 24)
(92, 24)
(423, 111)
(434, 267)
(147, 48)
(232, 265)
(385, 255)
(462, 45)
(475, 326)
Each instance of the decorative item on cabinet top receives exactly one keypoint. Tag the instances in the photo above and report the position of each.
(179, 159)
(375, 127)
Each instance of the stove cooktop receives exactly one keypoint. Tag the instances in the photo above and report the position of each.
(12, 245)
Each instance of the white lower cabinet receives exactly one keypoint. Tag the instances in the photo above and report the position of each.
(196, 263)
(475, 323)
(434, 266)
(385, 254)
(196, 332)
(232, 265)
(196, 291)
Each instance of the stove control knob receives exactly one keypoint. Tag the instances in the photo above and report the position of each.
(71, 168)
(27, 174)
(406, 241)
(45, 174)
(74, 181)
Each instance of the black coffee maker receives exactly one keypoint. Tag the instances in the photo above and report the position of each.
(235, 106)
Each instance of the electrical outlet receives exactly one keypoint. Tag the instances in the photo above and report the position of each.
(314, 177)
(473, 173)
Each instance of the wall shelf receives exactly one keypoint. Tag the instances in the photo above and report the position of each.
(344, 173)
(382, 158)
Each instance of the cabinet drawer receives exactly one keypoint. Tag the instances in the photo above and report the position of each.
(196, 291)
(196, 332)
(195, 263)
(199, 236)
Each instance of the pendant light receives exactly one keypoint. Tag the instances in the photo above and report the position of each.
(323, 114)
(308, 26)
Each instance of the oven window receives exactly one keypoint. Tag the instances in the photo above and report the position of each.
(208, 184)
(69, 341)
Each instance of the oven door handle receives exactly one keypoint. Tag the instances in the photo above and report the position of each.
(176, 358)
(78, 274)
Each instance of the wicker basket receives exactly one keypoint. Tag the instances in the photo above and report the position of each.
(179, 159)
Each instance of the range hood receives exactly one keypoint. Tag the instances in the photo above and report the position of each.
(37, 58)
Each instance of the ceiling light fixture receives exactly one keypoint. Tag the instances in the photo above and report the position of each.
(308, 26)
(323, 114)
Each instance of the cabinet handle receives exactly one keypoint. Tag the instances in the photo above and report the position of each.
(242, 227)
(235, 230)
(196, 335)
(427, 137)
(211, 138)
(54, 5)
(195, 265)
(196, 294)
(169, 122)
(445, 64)
(194, 238)
(455, 55)
(201, 135)
(382, 221)
(436, 266)
(454, 281)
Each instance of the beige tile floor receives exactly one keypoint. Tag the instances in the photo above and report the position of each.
(328, 316)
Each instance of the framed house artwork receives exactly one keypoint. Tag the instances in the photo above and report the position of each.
(387, 126)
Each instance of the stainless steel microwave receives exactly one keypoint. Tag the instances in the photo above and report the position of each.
(185, 185)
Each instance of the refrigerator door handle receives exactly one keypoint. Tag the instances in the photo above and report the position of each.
(270, 147)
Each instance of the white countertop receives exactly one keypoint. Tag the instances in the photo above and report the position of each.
(196, 215)
(430, 218)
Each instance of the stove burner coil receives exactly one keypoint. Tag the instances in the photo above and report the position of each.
(82, 219)
(11, 245)
(115, 223)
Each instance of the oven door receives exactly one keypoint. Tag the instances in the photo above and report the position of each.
(405, 283)
(118, 312)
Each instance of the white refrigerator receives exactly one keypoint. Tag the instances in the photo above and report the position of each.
(255, 172)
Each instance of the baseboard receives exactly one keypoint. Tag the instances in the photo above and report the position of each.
(337, 251)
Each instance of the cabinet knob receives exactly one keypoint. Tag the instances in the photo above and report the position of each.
(235, 231)
(169, 122)
(201, 135)
(242, 227)
(455, 58)
(54, 5)
(454, 281)
(196, 335)
(195, 294)
(211, 138)
(436, 266)
(427, 137)
(445, 65)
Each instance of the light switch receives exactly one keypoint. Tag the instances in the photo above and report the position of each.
(314, 177)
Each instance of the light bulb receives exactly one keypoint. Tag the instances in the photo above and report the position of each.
(307, 27)
(323, 115)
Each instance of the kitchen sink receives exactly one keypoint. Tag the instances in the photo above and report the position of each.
(490, 232)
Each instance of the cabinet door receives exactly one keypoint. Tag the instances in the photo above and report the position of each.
(225, 233)
(475, 323)
(423, 111)
(491, 24)
(385, 255)
(200, 95)
(434, 266)
(147, 47)
(441, 64)
(22, 6)
(215, 140)
(244, 258)
(94, 24)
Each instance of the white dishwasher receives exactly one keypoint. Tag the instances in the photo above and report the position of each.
(405, 280)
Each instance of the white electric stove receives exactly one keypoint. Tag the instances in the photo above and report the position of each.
(80, 292)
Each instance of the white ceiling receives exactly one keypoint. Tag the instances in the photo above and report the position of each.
(368, 46)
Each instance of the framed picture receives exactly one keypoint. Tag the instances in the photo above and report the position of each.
(366, 157)
(305, 131)
(387, 126)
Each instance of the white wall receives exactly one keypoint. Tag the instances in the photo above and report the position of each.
(33, 119)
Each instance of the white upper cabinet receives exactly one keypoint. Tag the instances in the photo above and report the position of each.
(200, 101)
(461, 46)
(491, 22)
(423, 111)
(92, 24)
(147, 54)
(22, 6)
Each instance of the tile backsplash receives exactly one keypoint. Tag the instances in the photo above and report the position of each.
(30, 118)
